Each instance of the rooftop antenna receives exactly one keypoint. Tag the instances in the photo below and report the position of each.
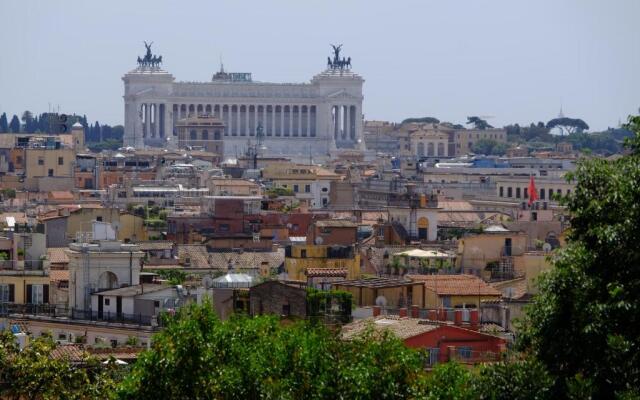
(221, 64)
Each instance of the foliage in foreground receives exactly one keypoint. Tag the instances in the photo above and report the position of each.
(34, 374)
(584, 325)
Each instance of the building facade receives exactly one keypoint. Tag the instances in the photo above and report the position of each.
(297, 119)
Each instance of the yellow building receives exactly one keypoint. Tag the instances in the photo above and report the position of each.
(127, 226)
(307, 182)
(49, 162)
(496, 244)
(391, 292)
(301, 257)
(24, 287)
(455, 291)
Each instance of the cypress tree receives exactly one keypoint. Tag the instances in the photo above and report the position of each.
(14, 125)
(4, 124)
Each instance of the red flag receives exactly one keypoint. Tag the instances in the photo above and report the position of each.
(533, 194)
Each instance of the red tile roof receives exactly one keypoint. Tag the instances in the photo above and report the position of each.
(57, 255)
(58, 275)
(456, 285)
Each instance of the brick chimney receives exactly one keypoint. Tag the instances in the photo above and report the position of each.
(433, 315)
(415, 312)
(403, 312)
(442, 314)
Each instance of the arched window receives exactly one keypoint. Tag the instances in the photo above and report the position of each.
(440, 149)
(420, 149)
(108, 280)
(430, 151)
(216, 135)
(193, 135)
(205, 135)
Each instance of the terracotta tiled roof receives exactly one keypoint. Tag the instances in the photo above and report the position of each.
(514, 288)
(78, 352)
(335, 223)
(58, 275)
(196, 253)
(456, 285)
(403, 328)
(57, 255)
(326, 272)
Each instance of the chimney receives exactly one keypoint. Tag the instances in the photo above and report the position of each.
(458, 317)
(403, 312)
(415, 312)
(376, 311)
(433, 315)
(442, 314)
(474, 319)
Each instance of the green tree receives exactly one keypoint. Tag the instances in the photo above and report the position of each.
(27, 119)
(4, 124)
(568, 125)
(489, 147)
(520, 380)
(34, 373)
(478, 123)
(428, 120)
(14, 125)
(585, 322)
(198, 356)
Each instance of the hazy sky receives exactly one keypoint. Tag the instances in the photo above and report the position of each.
(516, 61)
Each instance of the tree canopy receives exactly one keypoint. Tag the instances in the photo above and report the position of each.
(428, 120)
(584, 324)
(478, 123)
(568, 125)
(489, 147)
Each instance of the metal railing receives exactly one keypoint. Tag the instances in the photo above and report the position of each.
(58, 311)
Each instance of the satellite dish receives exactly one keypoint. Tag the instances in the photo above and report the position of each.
(207, 282)
(381, 301)
(546, 247)
(319, 240)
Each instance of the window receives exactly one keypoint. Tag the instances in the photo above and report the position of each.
(99, 218)
(205, 135)
(307, 188)
(35, 293)
(19, 160)
(295, 188)
(62, 336)
(286, 309)
(541, 194)
(501, 191)
(526, 193)
(114, 343)
(7, 293)
(60, 160)
(40, 160)
(325, 190)
(224, 227)
(325, 201)
(193, 135)
(550, 194)
(50, 172)
(509, 192)
(303, 253)
(464, 352)
(156, 303)
(107, 302)
(517, 193)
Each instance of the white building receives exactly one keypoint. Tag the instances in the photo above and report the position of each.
(298, 119)
(100, 264)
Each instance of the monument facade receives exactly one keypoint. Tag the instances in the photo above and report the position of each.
(297, 120)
